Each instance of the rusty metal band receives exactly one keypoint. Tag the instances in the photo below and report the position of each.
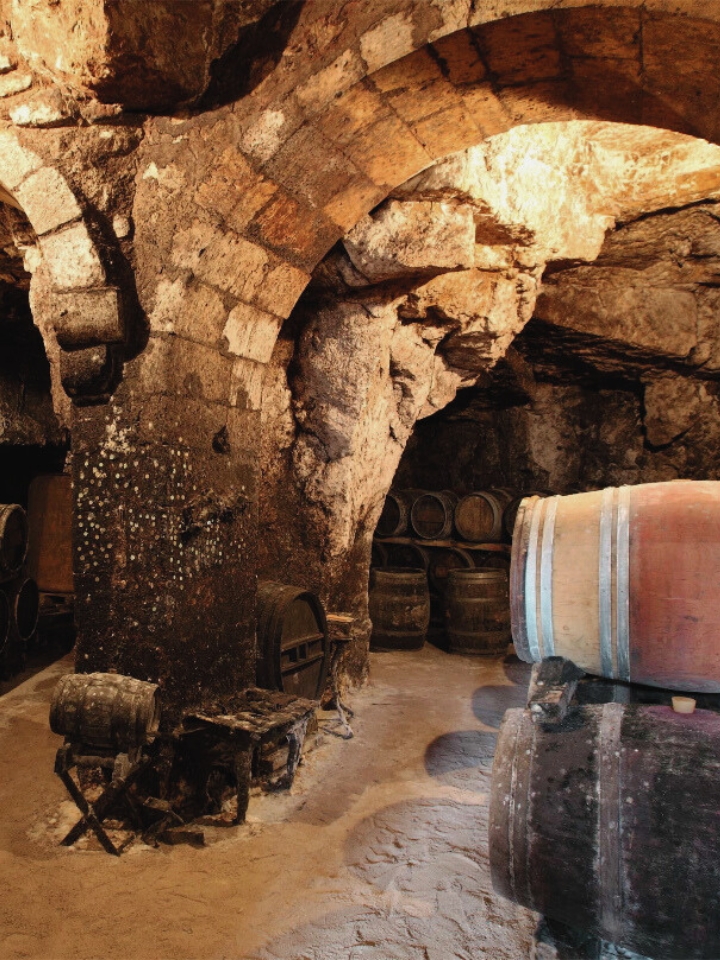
(622, 598)
(531, 583)
(609, 821)
(546, 578)
(605, 571)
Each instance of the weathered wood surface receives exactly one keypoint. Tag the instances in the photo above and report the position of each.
(431, 515)
(293, 644)
(623, 582)
(50, 517)
(399, 607)
(442, 561)
(607, 822)
(105, 710)
(395, 515)
(479, 515)
(23, 602)
(478, 612)
(13, 540)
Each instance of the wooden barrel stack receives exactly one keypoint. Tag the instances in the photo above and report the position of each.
(606, 819)
(416, 530)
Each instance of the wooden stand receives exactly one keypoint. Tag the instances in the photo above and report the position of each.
(126, 767)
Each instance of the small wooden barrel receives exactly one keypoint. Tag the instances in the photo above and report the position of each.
(622, 581)
(13, 540)
(105, 710)
(395, 514)
(407, 555)
(50, 517)
(442, 561)
(608, 822)
(431, 514)
(479, 516)
(399, 606)
(478, 610)
(378, 555)
(23, 602)
(293, 642)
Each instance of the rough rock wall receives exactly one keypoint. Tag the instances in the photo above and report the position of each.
(624, 385)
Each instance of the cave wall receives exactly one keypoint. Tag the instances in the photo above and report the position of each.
(618, 378)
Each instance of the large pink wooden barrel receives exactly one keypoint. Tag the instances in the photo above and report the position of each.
(624, 581)
(608, 822)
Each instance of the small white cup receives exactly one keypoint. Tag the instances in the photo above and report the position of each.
(683, 704)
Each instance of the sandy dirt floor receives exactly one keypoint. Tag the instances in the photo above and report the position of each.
(379, 852)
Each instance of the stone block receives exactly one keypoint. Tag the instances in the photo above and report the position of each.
(405, 238)
(388, 152)
(342, 73)
(294, 229)
(487, 111)
(460, 58)
(608, 89)
(247, 384)
(388, 41)
(89, 376)
(348, 206)
(448, 131)
(16, 163)
(311, 167)
(590, 32)
(234, 190)
(521, 49)
(352, 112)
(182, 368)
(71, 259)
(416, 70)
(47, 200)
(281, 288)
(13, 83)
(232, 263)
(547, 102)
(48, 108)
(200, 315)
(88, 317)
(251, 333)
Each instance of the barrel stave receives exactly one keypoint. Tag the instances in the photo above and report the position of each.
(478, 612)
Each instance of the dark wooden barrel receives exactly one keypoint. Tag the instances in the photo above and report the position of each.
(608, 822)
(13, 539)
(293, 642)
(378, 555)
(431, 514)
(407, 555)
(105, 710)
(622, 581)
(23, 602)
(478, 610)
(442, 561)
(50, 515)
(399, 606)
(395, 514)
(479, 516)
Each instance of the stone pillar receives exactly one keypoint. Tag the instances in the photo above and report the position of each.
(166, 527)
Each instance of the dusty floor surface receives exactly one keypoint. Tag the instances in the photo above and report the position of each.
(378, 853)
